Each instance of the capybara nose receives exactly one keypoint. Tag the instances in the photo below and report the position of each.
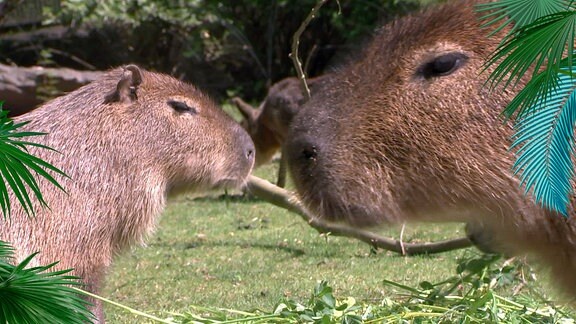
(309, 152)
(247, 145)
(250, 151)
(303, 153)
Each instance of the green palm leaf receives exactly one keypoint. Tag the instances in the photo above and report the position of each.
(6, 251)
(543, 43)
(16, 165)
(544, 141)
(37, 295)
(519, 13)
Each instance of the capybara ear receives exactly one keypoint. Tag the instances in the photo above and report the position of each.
(126, 90)
(248, 112)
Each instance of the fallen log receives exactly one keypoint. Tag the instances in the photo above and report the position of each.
(24, 88)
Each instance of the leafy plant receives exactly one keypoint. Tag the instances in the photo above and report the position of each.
(540, 43)
(37, 295)
(16, 163)
(241, 46)
(31, 294)
(470, 296)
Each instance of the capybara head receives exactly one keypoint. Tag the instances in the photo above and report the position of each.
(408, 131)
(127, 141)
(162, 122)
(195, 142)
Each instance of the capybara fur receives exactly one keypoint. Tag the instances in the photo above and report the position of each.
(268, 124)
(127, 142)
(410, 132)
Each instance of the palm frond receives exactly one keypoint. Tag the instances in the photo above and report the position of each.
(16, 166)
(519, 13)
(6, 251)
(38, 295)
(544, 140)
(543, 43)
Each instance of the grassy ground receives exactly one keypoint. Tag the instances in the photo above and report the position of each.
(243, 253)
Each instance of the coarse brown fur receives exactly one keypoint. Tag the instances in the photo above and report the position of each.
(268, 124)
(385, 142)
(126, 149)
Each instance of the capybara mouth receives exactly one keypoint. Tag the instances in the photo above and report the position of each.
(231, 183)
(327, 203)
(331, 208)
(326, 193)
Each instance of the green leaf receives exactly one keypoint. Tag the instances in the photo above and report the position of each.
(6, 251)
(544, 141)
(19, 192)
(519, 13)
(16, 165)
(541, 43)
(38, 295)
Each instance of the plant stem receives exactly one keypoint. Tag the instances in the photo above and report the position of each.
(131, 310)
(296, 44)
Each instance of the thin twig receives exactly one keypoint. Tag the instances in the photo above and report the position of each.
(402, 239)
(285, 199)
(73, 58)
(296, 44)
(309, 58)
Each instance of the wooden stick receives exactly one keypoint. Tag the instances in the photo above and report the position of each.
(285, 199)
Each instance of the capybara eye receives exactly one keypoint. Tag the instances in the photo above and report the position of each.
(442, 65)
(182, 107)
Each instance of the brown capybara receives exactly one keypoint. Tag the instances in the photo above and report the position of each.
(268, 124)
(127, 142)
(409, 132)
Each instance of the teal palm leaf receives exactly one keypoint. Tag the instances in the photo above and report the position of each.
(544, 140)
(539, 44)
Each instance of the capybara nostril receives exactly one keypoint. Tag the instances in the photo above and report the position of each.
(303, 151)
(310, 152)
(248, 148)
(250, 153)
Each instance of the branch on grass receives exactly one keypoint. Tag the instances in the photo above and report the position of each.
(285, 199)
(296, 44)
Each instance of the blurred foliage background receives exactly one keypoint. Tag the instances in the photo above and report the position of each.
(226, 47)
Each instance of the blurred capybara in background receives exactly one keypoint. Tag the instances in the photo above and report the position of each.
(409, 132)
(127, 141)
(268, 124)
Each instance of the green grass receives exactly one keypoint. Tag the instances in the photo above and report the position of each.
(242, 253)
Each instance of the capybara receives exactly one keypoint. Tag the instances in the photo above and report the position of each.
(410, 132)
(127, 141)
(268, 124)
